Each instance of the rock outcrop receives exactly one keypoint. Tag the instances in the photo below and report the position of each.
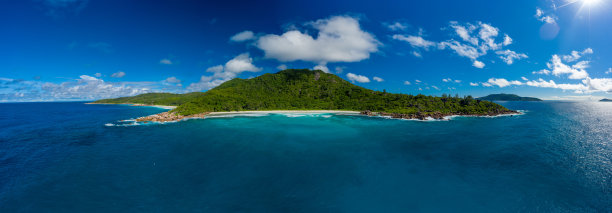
(169, 117)
(434, 115)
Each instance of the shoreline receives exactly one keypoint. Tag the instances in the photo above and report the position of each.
(147, 105)
(174, 117)
(286, 111)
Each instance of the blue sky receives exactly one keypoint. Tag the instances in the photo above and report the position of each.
(55, 50)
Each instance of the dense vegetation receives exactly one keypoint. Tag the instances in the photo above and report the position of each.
(507, 97)
(606, 100)
(309, 90)
(168, 99)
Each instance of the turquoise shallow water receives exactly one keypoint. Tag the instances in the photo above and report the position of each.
(60, 157)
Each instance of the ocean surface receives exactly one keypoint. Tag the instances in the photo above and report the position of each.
(73, 157)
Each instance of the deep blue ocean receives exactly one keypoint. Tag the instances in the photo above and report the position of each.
(61, 157)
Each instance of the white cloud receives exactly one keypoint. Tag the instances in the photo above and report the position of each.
(509, 56)
(84, 88)
(417, 81)
(396, 26)
(378, 79)
(464, 32)
(544, 18)
(524, 79)
(322, 68)
(575, 55)
(415, 41)
(447, 80)
(501, 82)
(542, 72)
(478, 64)
(507, 40)
(457, 81)
(417, 54)
(435, 87)
(339, 39)
(464, 50)
(359, 78)
(340, 69)
(599, 84)
(281, 67)
(173, 80)
(165, 61)
(609, 71)
(222, 73)
(406, 82)
(551, 84)
(473, 84)
(119, 74)
(475, 41)
(243, 36)
(98, 74)
(558, 68)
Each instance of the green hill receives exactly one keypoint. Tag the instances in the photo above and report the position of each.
(507, 97)
(167, 99)
(312, 90)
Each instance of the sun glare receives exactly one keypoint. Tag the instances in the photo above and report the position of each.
(590, 2)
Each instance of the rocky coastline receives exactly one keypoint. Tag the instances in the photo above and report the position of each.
(435, 115)
(173, 116)
(169, 117)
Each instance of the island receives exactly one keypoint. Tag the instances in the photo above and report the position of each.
(303, 89)
(507, 97)
(605, 100)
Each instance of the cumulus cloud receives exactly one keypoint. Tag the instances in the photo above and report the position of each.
(321, 67)
(609, 71)
(173, 80)
(415, 41)
(396, 26)
(165, 61)
(472, 41)
(98, 74)
(464, 50)
(339, 39)
(243, 36)
(435, 87)
(222, 73)
(551, 84)
(501, 82)
(473, 84)
(507, 40)
(119, 74)
(557, 67)
(449, 80)
(575, 55)
(84, 88)
(340, 69)
(599, 84)
(378, 79)
(478, 64)
(281, 67)
(524, 79)
(541, 16)
(406, 82)
(509, 56)
(358, 78)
